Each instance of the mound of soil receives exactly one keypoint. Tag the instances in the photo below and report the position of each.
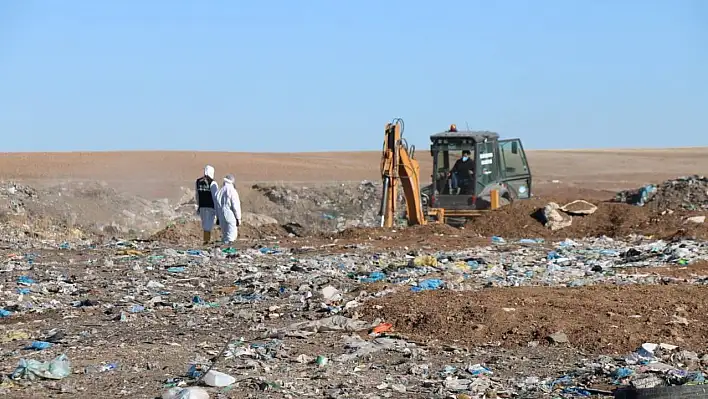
(436, 228)
(598, 319)
(358, 233)
(180, 233)
(262, 232)
(523, 219)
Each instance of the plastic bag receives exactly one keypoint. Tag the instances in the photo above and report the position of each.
(186, 393)
(56, 369)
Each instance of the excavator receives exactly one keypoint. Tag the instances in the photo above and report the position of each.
(499, 176)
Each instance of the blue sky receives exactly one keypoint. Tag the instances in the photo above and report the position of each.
(317, 75)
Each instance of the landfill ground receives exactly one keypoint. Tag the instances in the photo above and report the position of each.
(503, 307)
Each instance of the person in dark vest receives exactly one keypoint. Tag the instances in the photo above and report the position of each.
(463, 173)
(206, 189)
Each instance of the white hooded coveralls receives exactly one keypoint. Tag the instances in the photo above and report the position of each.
(229, 210)
(208, 215)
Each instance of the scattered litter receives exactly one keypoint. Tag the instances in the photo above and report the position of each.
(310, 307)
(428, 284)
(39, 345)
(186, 393)
(218, 379)
(56, 369)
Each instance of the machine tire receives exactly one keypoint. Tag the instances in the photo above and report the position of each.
(673, 392)
(456, 221)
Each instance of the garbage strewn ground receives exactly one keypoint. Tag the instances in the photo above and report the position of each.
(504, 307)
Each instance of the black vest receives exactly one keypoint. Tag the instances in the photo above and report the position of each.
(205, 200)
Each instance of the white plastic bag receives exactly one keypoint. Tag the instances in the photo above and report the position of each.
(218, 379)
(185, 393)
(57, 369)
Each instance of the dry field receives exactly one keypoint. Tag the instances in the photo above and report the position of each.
(162, 173)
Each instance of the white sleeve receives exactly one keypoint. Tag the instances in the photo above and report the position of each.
(236, 205)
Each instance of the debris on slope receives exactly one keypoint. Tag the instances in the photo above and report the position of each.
(554, 218)
(325, 208)
(91, 207)
(688, 193)
(579, 208)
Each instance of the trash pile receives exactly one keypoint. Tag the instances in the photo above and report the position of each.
(92, 208)
(324, 207)
(140, 318)
(688, 193)
(86, 209)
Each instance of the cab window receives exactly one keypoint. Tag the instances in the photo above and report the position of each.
(513, 159)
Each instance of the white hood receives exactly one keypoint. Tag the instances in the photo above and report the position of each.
(209, 171)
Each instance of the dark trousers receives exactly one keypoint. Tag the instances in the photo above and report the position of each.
(465, 186)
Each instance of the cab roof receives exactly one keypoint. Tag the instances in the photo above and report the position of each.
(476, 135)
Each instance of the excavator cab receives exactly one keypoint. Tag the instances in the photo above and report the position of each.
(493, 164)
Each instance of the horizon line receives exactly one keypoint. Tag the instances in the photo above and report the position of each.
(68, 152)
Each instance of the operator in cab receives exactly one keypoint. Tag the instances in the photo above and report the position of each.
(462, 173)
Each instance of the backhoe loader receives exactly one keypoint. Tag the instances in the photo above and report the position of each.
(499, 174)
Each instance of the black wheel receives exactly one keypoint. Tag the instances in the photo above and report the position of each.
(510, 195)
(456, 221)
(674, 392)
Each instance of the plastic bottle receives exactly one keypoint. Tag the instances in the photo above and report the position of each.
(218, 379)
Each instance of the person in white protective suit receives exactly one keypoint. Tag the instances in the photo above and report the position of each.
(229, 210)
(206, 189)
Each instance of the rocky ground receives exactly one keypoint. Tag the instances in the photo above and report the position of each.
(315, 301)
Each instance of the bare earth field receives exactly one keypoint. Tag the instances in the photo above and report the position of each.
(162, 173)
(100, 256)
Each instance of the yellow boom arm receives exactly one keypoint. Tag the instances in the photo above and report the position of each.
(399, 168)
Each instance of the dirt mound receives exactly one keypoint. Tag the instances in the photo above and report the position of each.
(523, 219)
(600, 319)
(436, 228)
(689, 193)
(92, 207)
(180, 232)
(358, 233)
(324, 208)
(262, 232)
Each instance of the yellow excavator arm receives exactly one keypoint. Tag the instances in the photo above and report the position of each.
(399, 168)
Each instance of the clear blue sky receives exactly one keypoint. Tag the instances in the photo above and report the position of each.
(316, 75)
